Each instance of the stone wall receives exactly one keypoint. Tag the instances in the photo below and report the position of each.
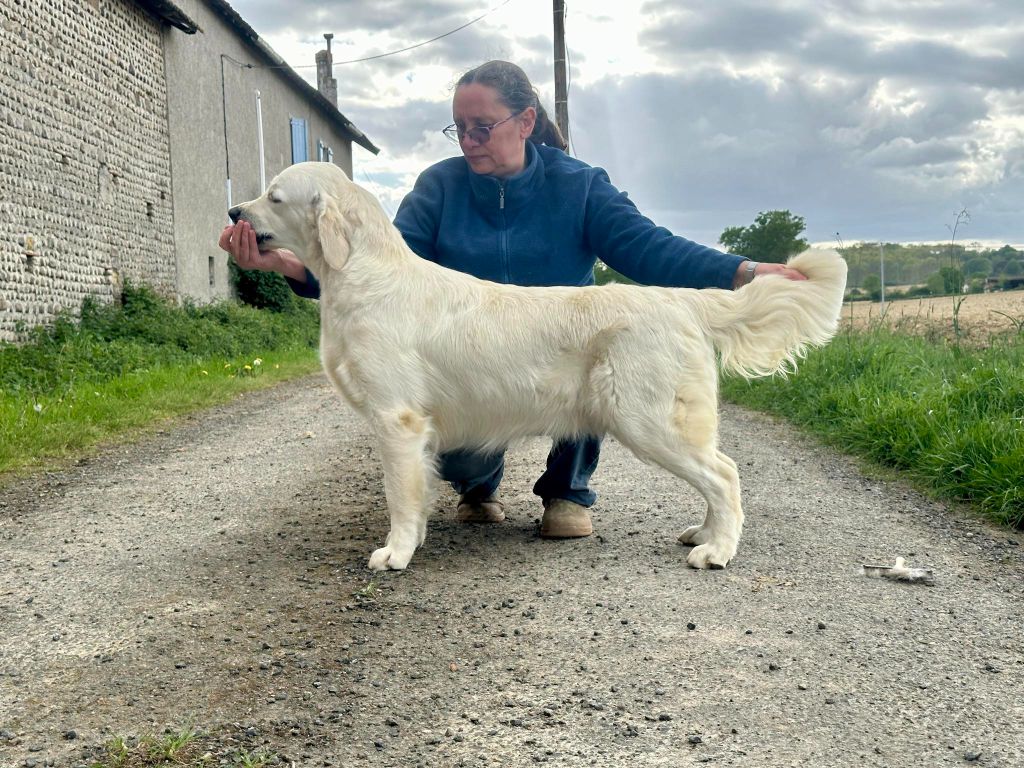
(85, 184)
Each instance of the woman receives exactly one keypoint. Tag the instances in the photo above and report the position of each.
(516, 209)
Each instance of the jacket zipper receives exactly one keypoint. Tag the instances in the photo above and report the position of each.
(504, 234)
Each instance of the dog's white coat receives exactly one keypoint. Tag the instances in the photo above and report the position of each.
(435, 359)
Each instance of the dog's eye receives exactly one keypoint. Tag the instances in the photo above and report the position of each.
(275, 199)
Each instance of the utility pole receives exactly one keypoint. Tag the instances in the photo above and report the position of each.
(881, 257)
(561, 87)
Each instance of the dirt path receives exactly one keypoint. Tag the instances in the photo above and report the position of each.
(215, 575)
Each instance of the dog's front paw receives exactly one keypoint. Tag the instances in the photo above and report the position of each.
(710, 556)
(390, 558)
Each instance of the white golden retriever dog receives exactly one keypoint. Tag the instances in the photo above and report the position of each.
(436, 360)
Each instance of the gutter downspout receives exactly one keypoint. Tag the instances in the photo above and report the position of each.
(227, 155)
(259, 142)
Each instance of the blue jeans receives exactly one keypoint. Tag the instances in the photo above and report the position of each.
(570, 464)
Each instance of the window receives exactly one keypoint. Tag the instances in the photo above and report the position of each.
(300, 147)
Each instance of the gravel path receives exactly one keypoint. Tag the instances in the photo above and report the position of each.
(214, 575)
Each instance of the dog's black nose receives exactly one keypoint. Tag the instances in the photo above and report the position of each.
(234, 213)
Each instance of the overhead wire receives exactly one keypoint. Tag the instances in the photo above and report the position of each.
(400, 50)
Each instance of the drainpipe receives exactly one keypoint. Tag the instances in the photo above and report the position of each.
(227, 153)
(259, 139)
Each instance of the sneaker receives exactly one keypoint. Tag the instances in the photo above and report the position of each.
(488, 510)
(565, 520)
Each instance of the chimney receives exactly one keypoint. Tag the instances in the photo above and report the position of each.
(325, 82)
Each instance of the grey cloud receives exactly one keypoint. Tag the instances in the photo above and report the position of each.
(827, 37)
(704, 154)
(312, 17)
(399, 131)
(904, 152)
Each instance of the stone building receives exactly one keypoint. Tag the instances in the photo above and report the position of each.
(126, 130)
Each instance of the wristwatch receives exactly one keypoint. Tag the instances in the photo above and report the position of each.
(751, 266)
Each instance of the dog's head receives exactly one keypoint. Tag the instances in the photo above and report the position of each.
(310, 209)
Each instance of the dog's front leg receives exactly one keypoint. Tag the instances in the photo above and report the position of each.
(408, 478)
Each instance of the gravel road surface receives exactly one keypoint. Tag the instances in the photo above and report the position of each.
(214, 576)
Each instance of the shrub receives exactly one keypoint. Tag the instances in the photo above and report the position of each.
(263, 290)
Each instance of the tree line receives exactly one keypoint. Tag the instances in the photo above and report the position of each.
(910, 269)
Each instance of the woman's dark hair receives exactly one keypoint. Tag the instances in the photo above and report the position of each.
(517, 93)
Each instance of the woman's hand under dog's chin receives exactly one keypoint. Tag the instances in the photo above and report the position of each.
(239, 240)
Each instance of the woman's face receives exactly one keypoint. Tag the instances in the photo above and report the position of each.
(504, 153)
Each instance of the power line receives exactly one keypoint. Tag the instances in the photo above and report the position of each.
(409, 48)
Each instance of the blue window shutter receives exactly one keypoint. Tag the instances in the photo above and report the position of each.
(300, 149)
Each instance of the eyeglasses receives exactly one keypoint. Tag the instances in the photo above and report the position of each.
(480, 134)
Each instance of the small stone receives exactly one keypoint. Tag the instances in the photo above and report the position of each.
(695, 739)
(972, 757)
(70, 735)
(691, 626)
(664, 717)
(821, 625)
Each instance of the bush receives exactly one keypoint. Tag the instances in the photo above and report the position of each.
(263, 290)
(145, 331)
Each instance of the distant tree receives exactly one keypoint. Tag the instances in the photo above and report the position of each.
(872, 285)
(936, 283)
(1014, 269)
(1007, 252)
(979, 265)
(774, 236)
(952, 280)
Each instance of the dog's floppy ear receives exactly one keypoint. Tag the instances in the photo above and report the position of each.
(334, 229)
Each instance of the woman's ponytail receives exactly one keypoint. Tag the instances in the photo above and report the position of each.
(546, 132)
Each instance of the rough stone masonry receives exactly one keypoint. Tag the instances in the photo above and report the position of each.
(85, 195)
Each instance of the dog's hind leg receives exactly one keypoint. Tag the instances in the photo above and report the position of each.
(717, 527)
(408, 480)
(685, 445)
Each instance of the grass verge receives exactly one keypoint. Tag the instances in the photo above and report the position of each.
(952, 419)
(125, 368)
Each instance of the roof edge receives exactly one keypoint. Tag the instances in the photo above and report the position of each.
(330, 111)
(168, 12)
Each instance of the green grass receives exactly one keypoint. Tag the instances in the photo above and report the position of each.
(951, 419)
(181, 749)
(122, 369)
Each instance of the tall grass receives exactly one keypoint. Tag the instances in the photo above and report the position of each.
(950, 418)
(122, 368)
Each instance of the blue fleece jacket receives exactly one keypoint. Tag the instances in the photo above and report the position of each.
(545, 226)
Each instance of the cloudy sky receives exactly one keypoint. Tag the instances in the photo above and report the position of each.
(874, 119)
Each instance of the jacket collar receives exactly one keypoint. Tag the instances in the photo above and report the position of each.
(519, 189)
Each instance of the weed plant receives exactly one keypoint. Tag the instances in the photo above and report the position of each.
(121, 367)
(952, 418)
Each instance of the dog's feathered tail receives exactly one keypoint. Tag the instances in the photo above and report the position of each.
(767, 325)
